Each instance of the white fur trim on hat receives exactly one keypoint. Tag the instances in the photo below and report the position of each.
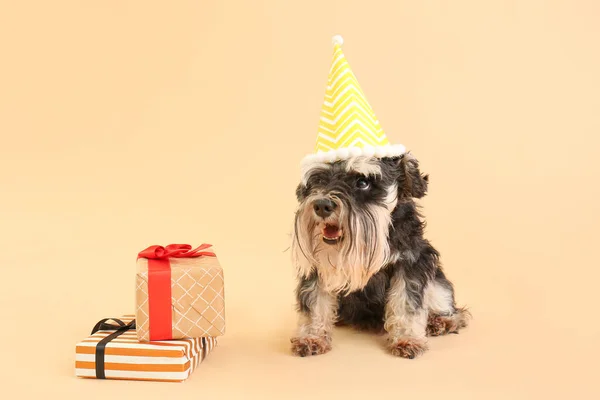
(346, 153)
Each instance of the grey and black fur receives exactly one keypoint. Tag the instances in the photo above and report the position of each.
(362, 259)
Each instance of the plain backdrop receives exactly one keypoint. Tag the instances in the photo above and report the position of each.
(130, 123)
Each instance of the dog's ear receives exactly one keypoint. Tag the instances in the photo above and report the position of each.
(300, 192)
(411, 182)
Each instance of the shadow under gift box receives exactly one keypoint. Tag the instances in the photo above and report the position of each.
(179, 293)
(110, 354)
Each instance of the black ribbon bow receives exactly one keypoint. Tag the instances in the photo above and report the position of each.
(118, 329)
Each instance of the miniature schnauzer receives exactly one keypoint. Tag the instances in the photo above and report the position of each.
(362, 260)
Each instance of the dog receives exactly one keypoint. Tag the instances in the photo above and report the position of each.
(361, 258)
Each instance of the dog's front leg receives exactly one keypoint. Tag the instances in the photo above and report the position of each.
(317, 313)
(405, 317)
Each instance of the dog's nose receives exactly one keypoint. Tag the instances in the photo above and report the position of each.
(324, 207)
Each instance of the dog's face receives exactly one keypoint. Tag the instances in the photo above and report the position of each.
(344, 215)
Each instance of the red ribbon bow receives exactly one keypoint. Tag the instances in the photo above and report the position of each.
(175, 251)
(159, 284)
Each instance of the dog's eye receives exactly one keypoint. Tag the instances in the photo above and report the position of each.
(318, 181)
(362, 184)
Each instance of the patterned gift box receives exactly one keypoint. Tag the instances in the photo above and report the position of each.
(112, 351)
(179, 293)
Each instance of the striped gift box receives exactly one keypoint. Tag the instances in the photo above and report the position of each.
(126, 358)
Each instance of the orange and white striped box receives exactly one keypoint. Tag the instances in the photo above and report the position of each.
(124, 357)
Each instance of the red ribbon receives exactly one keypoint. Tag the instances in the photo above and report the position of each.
(159, 284)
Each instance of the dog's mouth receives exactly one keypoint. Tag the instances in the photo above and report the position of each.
(332, 233)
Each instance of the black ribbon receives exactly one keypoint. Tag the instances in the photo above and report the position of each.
(204, 349)
(119, 329)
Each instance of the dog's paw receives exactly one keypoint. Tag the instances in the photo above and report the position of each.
(441, 324)
(438, 325)
(310, 345)
(407, 347)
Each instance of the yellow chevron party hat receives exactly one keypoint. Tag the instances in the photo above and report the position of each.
(348, 126)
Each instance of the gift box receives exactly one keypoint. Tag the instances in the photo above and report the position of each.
(180, 293)
(112, 351)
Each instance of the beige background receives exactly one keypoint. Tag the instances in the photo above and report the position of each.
(130, 123)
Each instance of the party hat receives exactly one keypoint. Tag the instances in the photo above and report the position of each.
(348, 126)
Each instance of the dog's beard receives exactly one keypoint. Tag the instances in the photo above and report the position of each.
(360, 252)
